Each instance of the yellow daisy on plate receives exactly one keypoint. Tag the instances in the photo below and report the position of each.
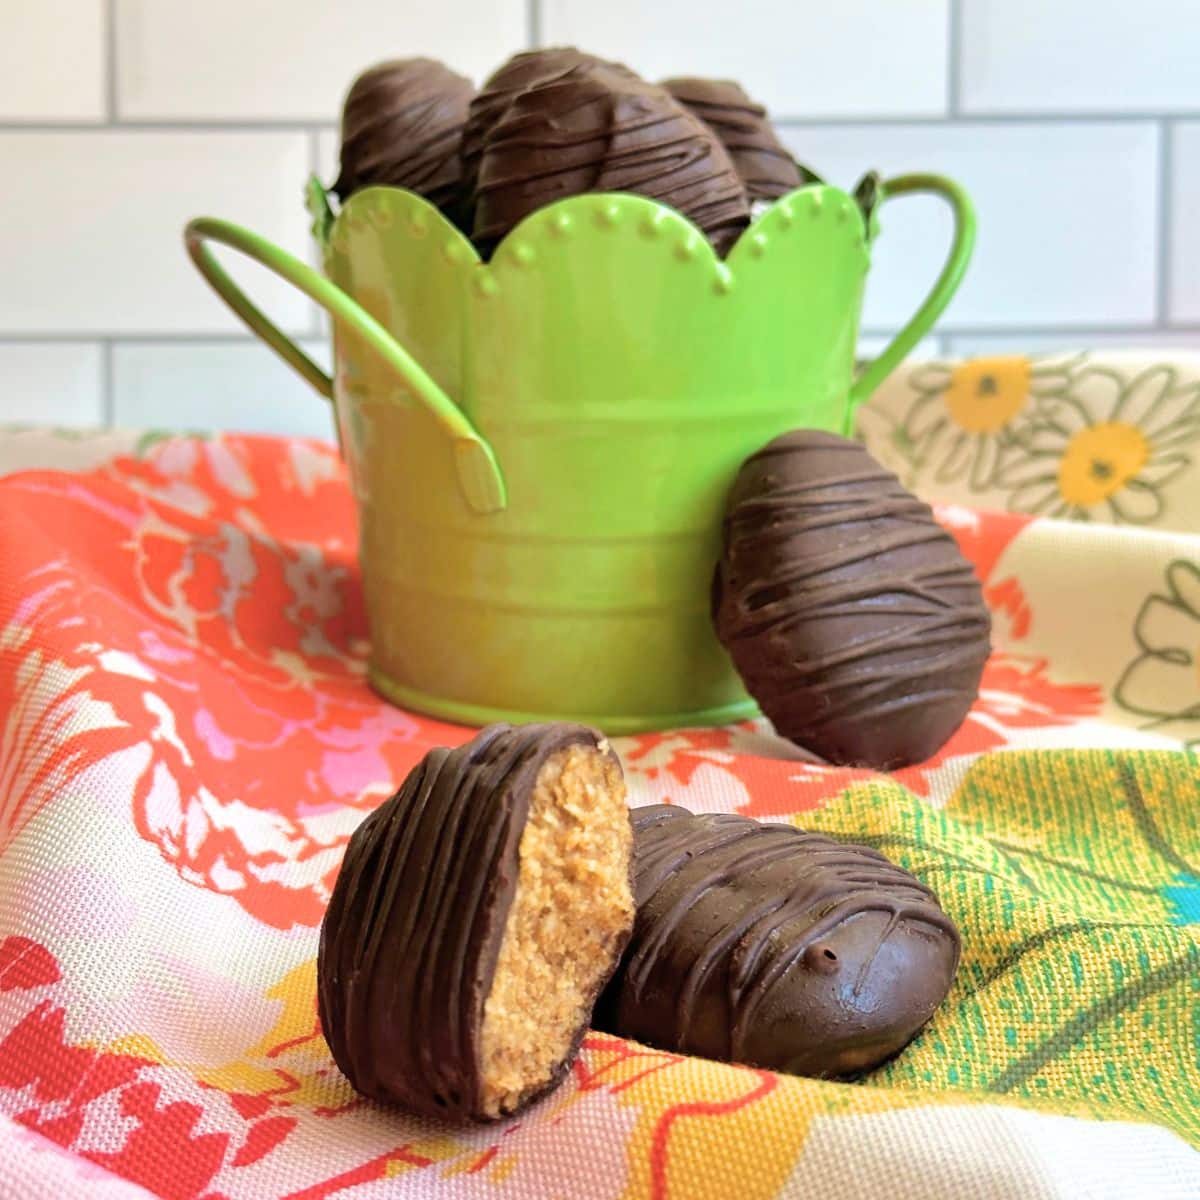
(965, 416)
(1107, 449)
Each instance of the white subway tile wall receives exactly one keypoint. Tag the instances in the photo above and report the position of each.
(1079, 56)
(58, 383)
(207, 385)
(1053, 247)
(289, 60)
(800, 58)
(52, 60)
(1075, 126)
(91, 240)
(1183, 264)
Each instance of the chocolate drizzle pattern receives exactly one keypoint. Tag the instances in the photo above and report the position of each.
(596, 129)
(763, 944)
(402, 125)
(850, 614)
(410, 941)
(503, 86)
(763, 162)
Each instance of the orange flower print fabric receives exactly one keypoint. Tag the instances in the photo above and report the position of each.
(187, 740)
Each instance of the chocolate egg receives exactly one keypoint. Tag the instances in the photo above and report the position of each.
(402, 125)
(477, 915)
(597, 129)
(767, 945)
(764, 163)
(851, 615)
(503, 86)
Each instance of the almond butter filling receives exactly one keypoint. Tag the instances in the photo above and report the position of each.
(571, 907)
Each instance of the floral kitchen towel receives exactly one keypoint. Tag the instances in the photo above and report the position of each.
(187, 741)
(1087, 437)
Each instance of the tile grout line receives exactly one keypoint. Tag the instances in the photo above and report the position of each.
(1030, 118)
(533, 19)
(182, 336)
(1166, 135)
(1051, 328)
(108, 399)
(302, 125)
(110, 63)
(173, 125)
(953, 57)
(234, 338)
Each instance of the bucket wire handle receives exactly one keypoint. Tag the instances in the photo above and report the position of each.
(940, 294)
(478, 472)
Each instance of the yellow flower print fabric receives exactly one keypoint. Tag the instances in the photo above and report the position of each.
(1084, 437)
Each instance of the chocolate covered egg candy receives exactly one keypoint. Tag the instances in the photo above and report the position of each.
(850, 613)
(766, 166)
(767, 945)
(595, 128)
(504, 85)
(402, 125)
(477, 915)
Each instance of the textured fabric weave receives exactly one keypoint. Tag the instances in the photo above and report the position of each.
(187, 741)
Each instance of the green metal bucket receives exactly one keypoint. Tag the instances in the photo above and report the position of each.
(540, 447)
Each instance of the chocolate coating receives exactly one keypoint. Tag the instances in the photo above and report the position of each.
(765, 945)
(402, 125)
(764, 163)
(851, 615)
(410, 941)
(503, 86)
(594, 129)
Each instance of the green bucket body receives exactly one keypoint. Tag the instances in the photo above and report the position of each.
(621, 374)
(541, 446)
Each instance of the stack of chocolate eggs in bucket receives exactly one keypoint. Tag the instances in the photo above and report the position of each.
(848, 613)
(595, 368)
